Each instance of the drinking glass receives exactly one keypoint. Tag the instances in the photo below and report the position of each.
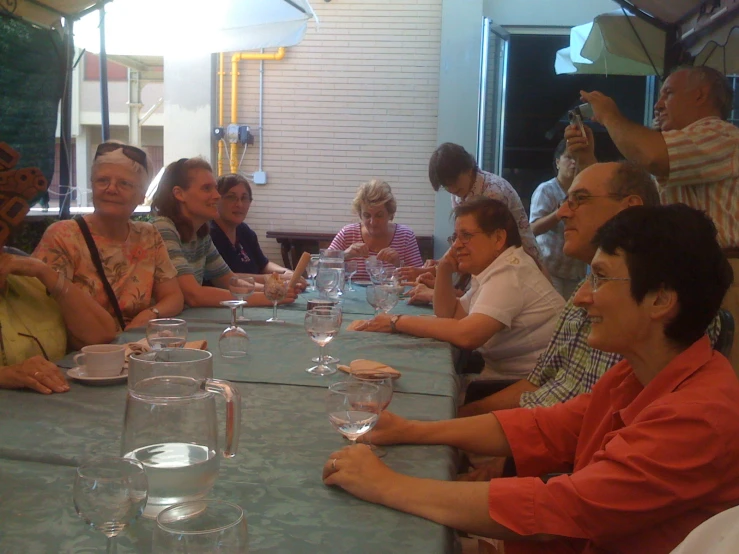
(352, 407)
(322, 325)
(327, 281)
(389, 297)
(375, 269)
(201, 527)
(375, 295)
(242, 287)
(312, 272)
(275, 290)
(109, 494)
(166, 333)
(351, 269)
(234, 340)
(384, 382)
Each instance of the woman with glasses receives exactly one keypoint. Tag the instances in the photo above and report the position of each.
(510, 310)
(138, 279)
(185, 202)
(376, 234)
(235, 241)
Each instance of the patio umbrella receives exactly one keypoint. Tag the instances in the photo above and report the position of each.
(636, 39)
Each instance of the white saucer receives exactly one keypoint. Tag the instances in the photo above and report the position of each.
(76, 373)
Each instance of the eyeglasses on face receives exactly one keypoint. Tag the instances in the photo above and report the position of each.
(121, 184)
(596, 280)
(574, 201)
(463, 236)
(131, 152)
(232, 199)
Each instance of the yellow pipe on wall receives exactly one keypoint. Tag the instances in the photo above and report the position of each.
(235, 59)
(219, 170)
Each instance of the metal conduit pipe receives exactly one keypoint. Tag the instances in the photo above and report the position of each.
(235, 59)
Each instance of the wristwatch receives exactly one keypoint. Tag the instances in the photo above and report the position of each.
(154, 311)
(393, 321)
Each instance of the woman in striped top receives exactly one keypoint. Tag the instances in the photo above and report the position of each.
(376, 234)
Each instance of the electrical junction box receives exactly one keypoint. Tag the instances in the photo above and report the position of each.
(218, 133)
(245, 136)
(260, 178)
(232, 133)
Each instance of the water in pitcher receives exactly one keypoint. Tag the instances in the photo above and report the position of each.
(177, 472)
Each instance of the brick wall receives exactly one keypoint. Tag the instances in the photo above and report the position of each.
(356, 99)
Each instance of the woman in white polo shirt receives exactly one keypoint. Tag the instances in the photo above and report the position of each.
(510, 311)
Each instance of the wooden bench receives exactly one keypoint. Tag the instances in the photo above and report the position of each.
(294, 243)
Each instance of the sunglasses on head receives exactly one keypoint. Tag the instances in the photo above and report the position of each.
(131, 152)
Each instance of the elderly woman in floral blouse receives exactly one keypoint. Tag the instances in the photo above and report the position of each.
(134, 258)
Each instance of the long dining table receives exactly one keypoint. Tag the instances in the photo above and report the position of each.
(285, 439)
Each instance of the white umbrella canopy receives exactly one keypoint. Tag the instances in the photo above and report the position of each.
(620, 43)
(171, 27)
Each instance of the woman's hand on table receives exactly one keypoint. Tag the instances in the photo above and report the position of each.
(35, 373)
(389, 429)
(389, 256)
(421, 295)
(357, 470)
(379, 324)
(413, 273)
(357, 250)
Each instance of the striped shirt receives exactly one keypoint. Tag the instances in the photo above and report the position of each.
(704, 173)
(490, 185)
(404, 243)
(569, 366)
(198, 257)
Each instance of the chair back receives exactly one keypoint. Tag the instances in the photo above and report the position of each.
(726, 336)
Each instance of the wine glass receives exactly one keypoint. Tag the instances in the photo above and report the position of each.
(389, 297)
(166, 333)
(327, 281)
(384, 381)
(109, 494)
(275, 290)
(375, 269)
(375, 295)
(201, 527)
(351, 269)
(234, 340)
(312, 272)
(322, 325)
(242, 287)
(353, 408)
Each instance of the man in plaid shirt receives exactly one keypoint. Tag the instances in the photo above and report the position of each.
(569, 366)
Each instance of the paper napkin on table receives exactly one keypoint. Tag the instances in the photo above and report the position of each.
(364, 365)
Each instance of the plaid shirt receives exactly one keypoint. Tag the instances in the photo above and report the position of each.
(569, 366)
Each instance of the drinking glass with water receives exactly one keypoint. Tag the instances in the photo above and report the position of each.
(353, 407)
(166, 333)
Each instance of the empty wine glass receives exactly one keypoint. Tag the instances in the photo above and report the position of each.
(352, 407)
(375, 295)
(389, 296)
(350, 267)
(275, 290)
(242, 287)
(312, 272)
(109, 494)
(322, 325)
(166, 333)
(201, 527)
(234, 341)
(384, 382)
(375, 269)
(327, 281)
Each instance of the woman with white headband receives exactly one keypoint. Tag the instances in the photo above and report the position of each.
(123, 264)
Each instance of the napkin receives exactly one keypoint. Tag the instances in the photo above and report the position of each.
(359, 365)
(141, 346)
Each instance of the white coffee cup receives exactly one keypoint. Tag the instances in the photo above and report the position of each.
(101, 360)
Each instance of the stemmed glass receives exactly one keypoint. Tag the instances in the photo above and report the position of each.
(201, 527)
(166, 333)
(242, 287)
(375, 269)
(322, 325)
(275, 290)
(389, 297)
(353, 407)
(351, 269)
(384, 381)
(375, 297)
(109, 494)
(312, 272)
(234, 340)
(327, 281)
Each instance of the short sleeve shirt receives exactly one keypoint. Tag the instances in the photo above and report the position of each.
(132, 267)
(198, 257)
(246, 255)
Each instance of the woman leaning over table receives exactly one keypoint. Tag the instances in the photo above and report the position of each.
(508, 314)
(185, 201)
(376, 234)
(132, 254)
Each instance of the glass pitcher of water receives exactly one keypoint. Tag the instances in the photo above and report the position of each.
(170, 427)
(182, 362)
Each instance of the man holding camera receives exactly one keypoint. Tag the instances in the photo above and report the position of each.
(694, 155)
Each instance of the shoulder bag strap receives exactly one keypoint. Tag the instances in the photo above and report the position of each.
(95, 256)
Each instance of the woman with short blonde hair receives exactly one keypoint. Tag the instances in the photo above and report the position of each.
(376, 234)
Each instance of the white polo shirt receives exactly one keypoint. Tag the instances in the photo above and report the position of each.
(513, 291)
